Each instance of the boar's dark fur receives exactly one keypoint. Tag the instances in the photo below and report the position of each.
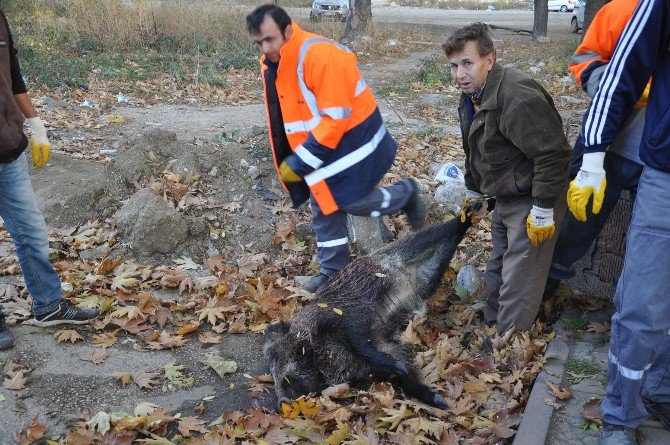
(378, 295)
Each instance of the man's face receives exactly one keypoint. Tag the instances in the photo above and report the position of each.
(468, 69)
(270, 39)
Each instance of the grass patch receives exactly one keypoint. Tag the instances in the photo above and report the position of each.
(580, 369)
(575, 324)
(603, 338)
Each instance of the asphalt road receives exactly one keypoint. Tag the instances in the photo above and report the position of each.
(437, 21)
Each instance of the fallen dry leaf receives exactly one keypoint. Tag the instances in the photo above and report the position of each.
(591, 410)
(67, 335)
(96, 357)
(557, 391)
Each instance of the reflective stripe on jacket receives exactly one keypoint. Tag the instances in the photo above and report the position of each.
(339, 143)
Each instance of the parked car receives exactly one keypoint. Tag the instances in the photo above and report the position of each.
(562, 5)
(333, 9)
(577, 21)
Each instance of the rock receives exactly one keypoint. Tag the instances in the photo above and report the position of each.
(369, 234)
(149, 225)
(534, 69)
(470, 282)
(305, 231)
(213, 172)
(543, 39)
(450, 195)
(254, 172)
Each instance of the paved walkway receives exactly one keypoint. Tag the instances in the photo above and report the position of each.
(585, 376)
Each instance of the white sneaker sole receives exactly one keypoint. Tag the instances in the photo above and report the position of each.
(43, 324)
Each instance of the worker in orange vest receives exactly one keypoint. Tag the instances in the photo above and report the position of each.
(328, 139)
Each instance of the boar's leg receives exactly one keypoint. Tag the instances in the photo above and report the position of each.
(414, 248)
(431, 272)
(380, 361)
(413, 387)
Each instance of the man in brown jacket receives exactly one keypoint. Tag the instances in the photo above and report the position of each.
(515, 151)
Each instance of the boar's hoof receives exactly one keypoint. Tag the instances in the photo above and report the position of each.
(400, 368)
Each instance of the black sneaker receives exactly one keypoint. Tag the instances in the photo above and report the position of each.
(66, 313)
(314, 283)
(415, 209)
(6, 336)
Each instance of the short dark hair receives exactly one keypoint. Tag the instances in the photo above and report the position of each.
(478, 32)
(255, 18)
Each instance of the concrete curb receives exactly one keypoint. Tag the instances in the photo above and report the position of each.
(537, 416)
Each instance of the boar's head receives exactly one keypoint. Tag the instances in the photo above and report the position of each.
(292, 363)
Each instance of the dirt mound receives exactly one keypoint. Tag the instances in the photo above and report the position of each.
(207, 198)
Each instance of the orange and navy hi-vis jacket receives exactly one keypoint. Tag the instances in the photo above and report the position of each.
(600, 41)
(334, 136)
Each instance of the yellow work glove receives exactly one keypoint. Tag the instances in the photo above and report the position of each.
(466, 207)
(642, 103)
(39, 142)
(286, 173)
(589, 181)
(540, 225)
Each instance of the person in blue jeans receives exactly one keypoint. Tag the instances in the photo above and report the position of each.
(638, 374)
(18, 206)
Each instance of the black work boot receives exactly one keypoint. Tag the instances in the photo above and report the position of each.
(314, 283)
(415, 208)
(660, 410)
(6, 336)
(616, 435)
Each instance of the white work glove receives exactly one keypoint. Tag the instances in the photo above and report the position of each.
(589, 181)
(39, 142)
(540, 225)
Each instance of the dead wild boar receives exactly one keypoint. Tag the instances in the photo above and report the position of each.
(351, 332)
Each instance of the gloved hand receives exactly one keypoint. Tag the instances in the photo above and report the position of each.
(286, 173)
(39, 142)
(540, 225)
(466, 207)
(589, 181)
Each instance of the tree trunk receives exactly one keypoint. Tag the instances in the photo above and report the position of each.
(592, 6)
(541, 12)
(358, 22)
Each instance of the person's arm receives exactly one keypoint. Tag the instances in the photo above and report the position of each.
(331, 74)
(26, 106)
(644, 39)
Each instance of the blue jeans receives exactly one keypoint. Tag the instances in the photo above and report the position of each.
(25, 223)
(576, 237)
(639, 353)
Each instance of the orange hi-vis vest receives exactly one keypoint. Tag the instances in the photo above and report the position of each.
(601, 38)
(338, 141)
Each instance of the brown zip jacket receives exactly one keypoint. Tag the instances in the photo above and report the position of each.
(515, 144)
(12, 139)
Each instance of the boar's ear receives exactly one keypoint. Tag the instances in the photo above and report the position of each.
(277, 330)
(273, 345)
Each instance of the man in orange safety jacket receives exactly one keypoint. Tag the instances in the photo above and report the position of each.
(328, 139)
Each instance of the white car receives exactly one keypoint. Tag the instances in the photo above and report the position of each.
(329, 9)
(577, 21)
(562, 5)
